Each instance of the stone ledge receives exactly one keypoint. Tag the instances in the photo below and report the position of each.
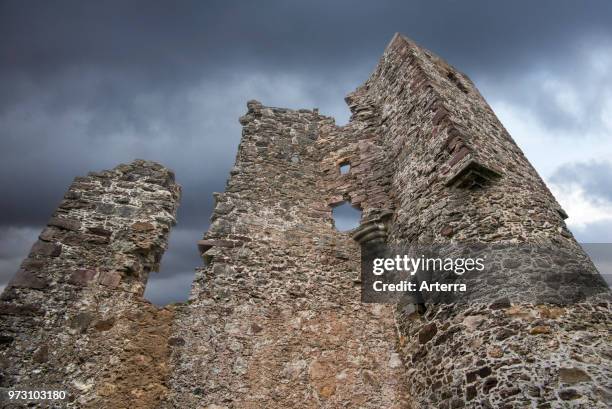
(472, 174)
(205, 245)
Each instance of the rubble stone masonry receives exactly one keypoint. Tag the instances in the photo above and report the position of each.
(275, 318)
(73, 317)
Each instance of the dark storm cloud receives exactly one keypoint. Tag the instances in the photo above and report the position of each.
(15, 243)
(87, 85)
(173, 283)
(177, 40)
(595, 178)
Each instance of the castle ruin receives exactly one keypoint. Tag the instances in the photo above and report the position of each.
(275, 318)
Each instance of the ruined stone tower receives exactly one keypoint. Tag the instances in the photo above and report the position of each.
(73, 317)
(275, 318)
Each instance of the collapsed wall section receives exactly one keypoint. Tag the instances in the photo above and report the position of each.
(367, 185)
(274, 318)
(73, 317)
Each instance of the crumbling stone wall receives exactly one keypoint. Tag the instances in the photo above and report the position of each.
(459, 177)
(73, 317)
(430, 164)
(274, 318)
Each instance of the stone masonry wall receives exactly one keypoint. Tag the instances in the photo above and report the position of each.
(430, 164)
(459, 177)
(274, 319)
(73, 317)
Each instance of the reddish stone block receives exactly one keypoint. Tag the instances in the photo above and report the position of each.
(100, 231)
(82, 277)
(110, 279)
(446, 231)
(142, 226)
(66, 224)
(458, 156)
(42, 248)
(28, 279)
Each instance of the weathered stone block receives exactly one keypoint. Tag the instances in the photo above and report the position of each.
(100, 231)
(143, 226)
(41, 355)
(427, 332)
(19, 310)
(82, 277)
(81, 321)
(41, 248)
(49, 234)
(66, 224)
(573, 375)
(28, 279)
(32, 264)
(109, 278)
(104, 325)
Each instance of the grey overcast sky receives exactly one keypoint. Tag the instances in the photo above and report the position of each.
(85, 85)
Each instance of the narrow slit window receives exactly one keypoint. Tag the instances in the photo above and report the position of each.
(345, 168)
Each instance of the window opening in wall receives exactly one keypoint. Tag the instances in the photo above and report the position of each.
(340, 112)
(345, 167)
(346, 217)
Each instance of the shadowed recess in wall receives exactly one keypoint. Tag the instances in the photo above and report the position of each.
(346, 217)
